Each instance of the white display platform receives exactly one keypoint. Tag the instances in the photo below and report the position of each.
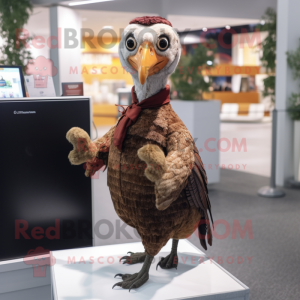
(75, 277)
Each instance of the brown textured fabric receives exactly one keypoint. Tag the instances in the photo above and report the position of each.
(132, 112)
(148, 21)
(135, 198)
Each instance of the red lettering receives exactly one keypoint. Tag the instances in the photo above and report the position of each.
(249, 259)
(245, 38)
(99, 259)
(71, 260)
(84, 70)
(110, 260)
(112, 68)
(184, 260)
(231, 260)
(228, 144)
(37, 233)
(102, 72)
(190, 71)
(221, 39)
(36, 40)
(81, 260)
(227, 231)
(206, 145)
(73, 71)
(21, 35)
(237, 227)
(21, 230)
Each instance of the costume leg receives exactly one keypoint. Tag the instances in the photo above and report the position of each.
(170, 261)
(137, 279)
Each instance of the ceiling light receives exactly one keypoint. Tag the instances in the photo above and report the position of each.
(192, 39)
(227, 27)
(204, 29)
(87, 2)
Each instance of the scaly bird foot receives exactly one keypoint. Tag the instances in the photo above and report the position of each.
(137, 279)
(168, 262)
(134, 258)
(132, 281)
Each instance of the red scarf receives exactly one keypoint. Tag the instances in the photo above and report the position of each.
(132, 112)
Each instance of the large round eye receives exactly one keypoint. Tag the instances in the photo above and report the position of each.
(130, 43)
(163, 43)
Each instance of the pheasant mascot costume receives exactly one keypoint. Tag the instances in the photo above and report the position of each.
(156, 178)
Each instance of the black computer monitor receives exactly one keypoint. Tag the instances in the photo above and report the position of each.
(46, 203)
(11, 82)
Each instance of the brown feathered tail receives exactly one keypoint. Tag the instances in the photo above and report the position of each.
(197, 195)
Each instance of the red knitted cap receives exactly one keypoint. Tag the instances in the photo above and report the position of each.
(148, 21)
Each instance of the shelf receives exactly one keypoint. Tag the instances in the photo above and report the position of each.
(230, 97)
(230, 70)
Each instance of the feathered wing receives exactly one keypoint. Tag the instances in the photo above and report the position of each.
(185, 173)
(179, 163)
(197, 194)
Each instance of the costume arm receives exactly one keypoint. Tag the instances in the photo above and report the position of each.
(100, 161)
(170, 173)
(95, 154)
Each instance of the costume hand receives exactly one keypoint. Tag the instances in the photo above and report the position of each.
(155, 159)
(84, 148)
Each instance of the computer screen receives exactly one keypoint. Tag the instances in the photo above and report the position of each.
(46, 203)
(11, 82)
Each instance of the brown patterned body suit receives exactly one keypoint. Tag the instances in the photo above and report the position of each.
(135, 197)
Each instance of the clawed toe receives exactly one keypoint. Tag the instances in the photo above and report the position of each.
(137, 279)
(117, 284)
(124, 257)
(132, 281)
(134, 258)
(168, 262)
(127, 260)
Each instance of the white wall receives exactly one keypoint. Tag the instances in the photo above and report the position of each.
(288, 34)
(65, 57)
(202, 119)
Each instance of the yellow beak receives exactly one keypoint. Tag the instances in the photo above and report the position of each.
(146, 61)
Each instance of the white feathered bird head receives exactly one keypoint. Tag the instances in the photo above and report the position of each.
(150, 50)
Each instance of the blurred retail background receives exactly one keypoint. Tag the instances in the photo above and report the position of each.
(229, 55)
(240, 63)
(226, 57)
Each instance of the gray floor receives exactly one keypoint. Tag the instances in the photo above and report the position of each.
(274, 271)
(257, 157)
